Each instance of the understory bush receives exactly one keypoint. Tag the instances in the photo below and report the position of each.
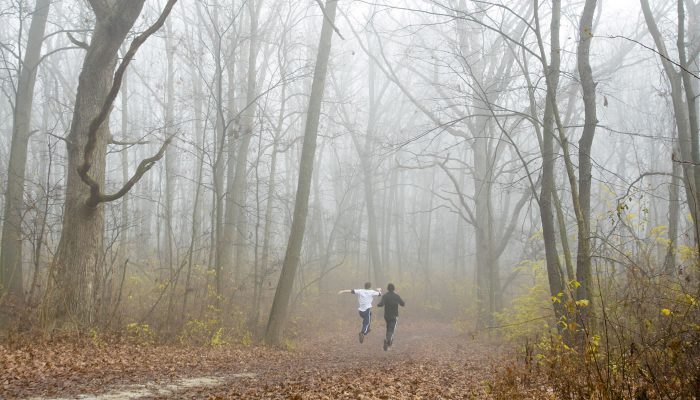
(643, 343)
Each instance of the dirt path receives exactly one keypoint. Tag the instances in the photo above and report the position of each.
(428, 360)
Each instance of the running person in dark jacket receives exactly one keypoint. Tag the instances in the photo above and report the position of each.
(390, 302)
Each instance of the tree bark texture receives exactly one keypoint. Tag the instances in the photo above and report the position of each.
(79, 259)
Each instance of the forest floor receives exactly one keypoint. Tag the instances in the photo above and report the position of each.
(429, 360)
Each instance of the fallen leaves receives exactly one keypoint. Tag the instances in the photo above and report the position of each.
(436, 365)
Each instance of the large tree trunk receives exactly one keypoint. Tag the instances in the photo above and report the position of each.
(78, 263)
(278, 313)
(11, 282)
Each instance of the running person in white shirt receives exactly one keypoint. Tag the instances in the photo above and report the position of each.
(364, 300)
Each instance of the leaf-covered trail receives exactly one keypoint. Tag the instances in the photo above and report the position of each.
(429, 360)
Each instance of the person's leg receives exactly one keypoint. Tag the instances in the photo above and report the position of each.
(366, 320)
(388, 333)
(390, 328)
(365, 324)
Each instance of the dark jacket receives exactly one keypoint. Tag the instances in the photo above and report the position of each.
(391, 302)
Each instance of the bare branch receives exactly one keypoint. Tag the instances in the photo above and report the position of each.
(464, 204)
(96, 196)
(325, 16)
(143, 167)
(77, 42)
(661, 53)
(114, 141)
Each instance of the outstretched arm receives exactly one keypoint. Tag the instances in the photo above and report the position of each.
(345, 291)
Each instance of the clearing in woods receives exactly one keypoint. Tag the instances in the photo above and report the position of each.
(429, 360)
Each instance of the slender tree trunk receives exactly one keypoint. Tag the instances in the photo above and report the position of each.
(170, 163)
(218, 225)
(583, 256)
(278, 313)
(227, 243)
(484, 229)
(691, 103)
(389, 211)
(673, 212)
(680, 111)
(367, 159)
(238, 194)
(399, 223)
(564, 237)
(11, 276)
(124, 156)
(44, 213)
(199, 133)
(318, 240)
(267, 229)
(554, 273)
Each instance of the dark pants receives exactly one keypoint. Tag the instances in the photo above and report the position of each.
(390, 327)
(366, 320)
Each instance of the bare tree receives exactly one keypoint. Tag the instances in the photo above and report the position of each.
(77, 267)
(583, 257)
(278, 313)
(551, 68)
(11, 279)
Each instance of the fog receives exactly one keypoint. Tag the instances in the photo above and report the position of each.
(448, 160)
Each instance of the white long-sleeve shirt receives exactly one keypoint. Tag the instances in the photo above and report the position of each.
(364, 298)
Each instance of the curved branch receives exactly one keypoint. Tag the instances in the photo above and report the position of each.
(143, 167)
(472, 217)
(77, 42)
(96, 196)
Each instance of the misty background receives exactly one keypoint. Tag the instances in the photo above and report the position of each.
(428, 170)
